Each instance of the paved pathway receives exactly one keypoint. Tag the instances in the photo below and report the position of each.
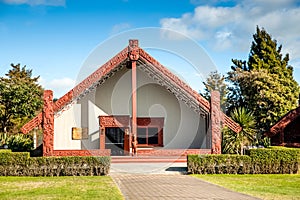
(171, 186)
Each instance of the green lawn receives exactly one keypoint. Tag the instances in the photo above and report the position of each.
(274, 186)
(88, 187)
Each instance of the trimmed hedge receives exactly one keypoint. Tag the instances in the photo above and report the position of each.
(218, 164)
(258, 161)
(20, 164)
(274, 160)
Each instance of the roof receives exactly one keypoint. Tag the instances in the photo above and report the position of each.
(283, 122)
(150, 66)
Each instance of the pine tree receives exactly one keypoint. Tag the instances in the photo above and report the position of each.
(20, 98)
(216, 81)
(264, 84)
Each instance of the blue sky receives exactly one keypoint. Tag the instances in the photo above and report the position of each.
(54, 37)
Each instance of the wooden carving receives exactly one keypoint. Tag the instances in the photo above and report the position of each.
(215, 122)
(133, 50)
(35, 122)
(48, 123)
(114, 121)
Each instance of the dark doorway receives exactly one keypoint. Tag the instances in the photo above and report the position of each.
(114, 140)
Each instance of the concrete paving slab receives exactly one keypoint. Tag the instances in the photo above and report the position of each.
(171, 186)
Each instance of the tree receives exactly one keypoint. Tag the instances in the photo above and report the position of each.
(20, 98)
(234, 142)
(264, 84)
(216, 81)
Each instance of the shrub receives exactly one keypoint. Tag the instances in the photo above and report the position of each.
(3, 139)
(218, 164)
(258, 161)
(20, 164)
(274, 160)
(20, 142)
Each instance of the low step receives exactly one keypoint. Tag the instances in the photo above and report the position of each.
(147, 159)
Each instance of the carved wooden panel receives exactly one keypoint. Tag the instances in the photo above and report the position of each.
(114, 121)
(94, 152)
(48, 123)
(216, 122)
(35, 122)
(227, 121)
(133, 50)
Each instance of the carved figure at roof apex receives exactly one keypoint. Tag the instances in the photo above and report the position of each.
(133, 43)
(133, 50)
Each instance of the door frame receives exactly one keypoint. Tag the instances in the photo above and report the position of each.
(115, 121)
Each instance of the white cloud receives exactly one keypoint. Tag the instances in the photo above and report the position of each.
(232, 27)
(59, 86)
(37, 2)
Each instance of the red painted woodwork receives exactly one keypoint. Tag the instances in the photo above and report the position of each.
(172, 152)
(35, 122)
(215, 122)
(114, 121)
(133, 54)
(283, 122)
(97, 152)
(285, 129)
(133, 50)
(126, 142)
(102, 137)
(48, 124)
(227, 121)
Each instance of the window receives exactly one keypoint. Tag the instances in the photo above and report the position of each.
(152, 135)
(147, 136)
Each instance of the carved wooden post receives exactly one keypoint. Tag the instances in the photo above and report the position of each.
(133, 54)
(215, 122)
(48, 123)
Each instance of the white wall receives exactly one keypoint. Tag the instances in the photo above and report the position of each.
(89, 118)
(63, 129)
(114, 96)
(183, 128)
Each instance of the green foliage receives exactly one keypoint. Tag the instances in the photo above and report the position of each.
(20, 98)
(264, 84)
(20, 164)
(17, 142)
(274, 160)
(218, 164)
(3, 139)
(258, 161)
(216, 81)
(232, 142)
(20, 142)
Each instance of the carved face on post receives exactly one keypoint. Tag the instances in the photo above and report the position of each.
(133, 50)
(134, 54)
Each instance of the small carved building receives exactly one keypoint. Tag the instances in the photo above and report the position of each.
(286, 132)
(131, 96)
